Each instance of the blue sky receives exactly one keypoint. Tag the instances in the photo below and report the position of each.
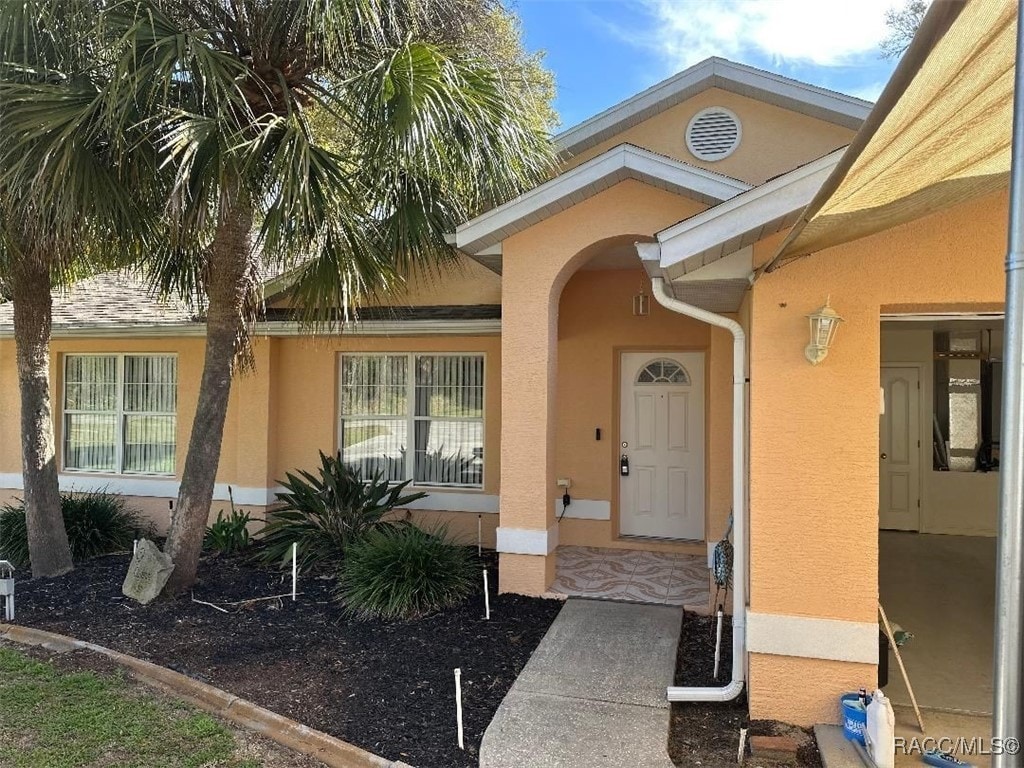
(603, 51)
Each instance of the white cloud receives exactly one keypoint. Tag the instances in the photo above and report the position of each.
(816, 32)
(869, 92)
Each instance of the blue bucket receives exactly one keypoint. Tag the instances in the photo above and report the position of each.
(855, 716)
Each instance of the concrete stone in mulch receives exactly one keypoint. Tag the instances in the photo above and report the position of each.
(149, 571)
(593, 693)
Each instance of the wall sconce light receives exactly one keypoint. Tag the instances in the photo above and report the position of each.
(824, 324)
(641, 304)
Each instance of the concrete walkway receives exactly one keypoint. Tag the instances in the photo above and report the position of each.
(593, 693)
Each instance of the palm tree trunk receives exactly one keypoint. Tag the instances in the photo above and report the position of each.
(47, 540)
(227, 291)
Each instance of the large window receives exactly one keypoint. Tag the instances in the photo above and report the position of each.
(418, 417)
(119, 413)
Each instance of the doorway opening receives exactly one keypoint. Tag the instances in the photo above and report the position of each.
(938, 507)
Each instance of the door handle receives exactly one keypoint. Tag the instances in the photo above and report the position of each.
(884, 456)
(624, 466)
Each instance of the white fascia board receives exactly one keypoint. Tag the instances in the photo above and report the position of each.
(385, 328)
(769, 87)
(471, 327)
(746, 212)
(621, 162)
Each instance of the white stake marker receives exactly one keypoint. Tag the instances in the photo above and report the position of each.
(718, 643)
(458, 705)
(479, 535)
(295, 568)
(487, 598)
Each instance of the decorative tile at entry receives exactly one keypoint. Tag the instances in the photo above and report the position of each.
(578, 554)
(670, 558)
(568, 585)
(620, 566)
(650, 570)
(645, 591)
(607, 584)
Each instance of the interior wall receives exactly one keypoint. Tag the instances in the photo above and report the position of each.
(955, 503)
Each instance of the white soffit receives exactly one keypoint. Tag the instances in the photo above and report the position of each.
(602, 172)
(743, 220)
(714, 72)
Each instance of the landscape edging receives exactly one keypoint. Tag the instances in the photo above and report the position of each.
(285, 731)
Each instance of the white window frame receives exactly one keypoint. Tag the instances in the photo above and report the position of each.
(412, 418)
(120, 414)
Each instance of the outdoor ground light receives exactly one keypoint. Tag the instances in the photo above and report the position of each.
(7, 589)
(824, 324)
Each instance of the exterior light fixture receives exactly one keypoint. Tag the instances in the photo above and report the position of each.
(641, 304)
(7, 589)
(824, 324)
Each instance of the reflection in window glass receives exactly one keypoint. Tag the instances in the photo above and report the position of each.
(966, 400)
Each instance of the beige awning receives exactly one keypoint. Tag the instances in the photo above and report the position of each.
(939, 135)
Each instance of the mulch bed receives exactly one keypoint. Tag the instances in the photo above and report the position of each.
(707, 733)
(388, 688)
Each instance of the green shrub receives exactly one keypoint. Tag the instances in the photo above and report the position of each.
(13, 535)
(97, 523)
(407, 572)
(229, 534)
(325, 514)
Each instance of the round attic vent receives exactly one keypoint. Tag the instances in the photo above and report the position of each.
(713, 134)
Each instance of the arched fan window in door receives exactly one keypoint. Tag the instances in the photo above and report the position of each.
(663, 371)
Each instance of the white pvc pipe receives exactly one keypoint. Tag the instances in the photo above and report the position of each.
(295, 568)
(718, 642)
(739, 590)
(487, 598)
(458, 705)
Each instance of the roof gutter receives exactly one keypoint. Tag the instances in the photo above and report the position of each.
(936, 23)
(662, 294)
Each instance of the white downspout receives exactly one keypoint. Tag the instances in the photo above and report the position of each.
(739, 589)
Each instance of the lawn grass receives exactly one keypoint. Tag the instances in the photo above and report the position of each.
(55, 719)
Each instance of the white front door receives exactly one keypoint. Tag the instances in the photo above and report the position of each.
(662, 445)
(899, 455)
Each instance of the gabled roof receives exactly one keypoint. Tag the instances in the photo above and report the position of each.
(748, 217)
(586, 180)
(810, 100)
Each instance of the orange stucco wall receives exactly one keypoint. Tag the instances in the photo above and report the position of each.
(537, 265)
(774, 140)
(463, 281)
(814, 429)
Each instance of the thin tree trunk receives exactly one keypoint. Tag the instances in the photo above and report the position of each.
(227, 291)
(47, 540)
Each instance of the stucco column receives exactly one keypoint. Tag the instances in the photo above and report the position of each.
(527, 532)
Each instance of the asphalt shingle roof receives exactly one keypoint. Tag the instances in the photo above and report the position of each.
(111, 299)
(124, 300)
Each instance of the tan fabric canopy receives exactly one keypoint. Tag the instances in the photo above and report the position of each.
(943, 140)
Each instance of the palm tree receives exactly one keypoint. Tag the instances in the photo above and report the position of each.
(337, 138)
(63, 206)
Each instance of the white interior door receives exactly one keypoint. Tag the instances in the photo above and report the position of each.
(662, 443)
(899, 456)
